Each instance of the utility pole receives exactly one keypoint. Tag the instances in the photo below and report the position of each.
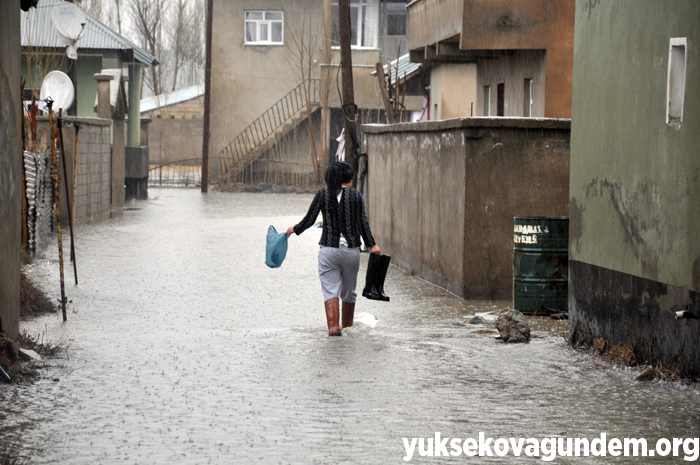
(207, 101)
(348, 92)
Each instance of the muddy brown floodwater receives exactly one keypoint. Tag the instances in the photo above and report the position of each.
(185, 348)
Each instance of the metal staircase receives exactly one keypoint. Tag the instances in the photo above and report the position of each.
(260, 135)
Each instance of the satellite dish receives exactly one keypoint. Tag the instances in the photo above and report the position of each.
(69, 21)
(59, 87)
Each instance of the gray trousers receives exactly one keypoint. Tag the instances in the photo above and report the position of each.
(337, 270)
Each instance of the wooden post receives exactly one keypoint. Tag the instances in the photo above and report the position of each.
(64, 161)
(76, 125)
(207, 100)
(56, 190)
(349, 107)
(381, 77)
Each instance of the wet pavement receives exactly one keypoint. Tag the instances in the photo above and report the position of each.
(183, 347)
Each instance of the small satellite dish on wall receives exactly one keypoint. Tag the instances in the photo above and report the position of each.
(70, 22)
(59, 87)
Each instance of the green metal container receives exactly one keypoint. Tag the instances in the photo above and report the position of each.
(540, 263)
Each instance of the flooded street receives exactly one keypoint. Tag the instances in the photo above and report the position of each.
(183, 347)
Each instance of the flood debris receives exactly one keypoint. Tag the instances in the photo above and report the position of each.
(648, 375)
(625, 355)
(21, 358)
(480, 320)
(29, 354)
(513, 327)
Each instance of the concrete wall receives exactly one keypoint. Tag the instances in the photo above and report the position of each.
(512, 69)
(10, 166)
(431, 21)
(175, 131)
(635, 181)
(453, 90)
(442, 195)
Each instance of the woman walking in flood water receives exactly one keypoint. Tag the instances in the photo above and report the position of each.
(344, 222)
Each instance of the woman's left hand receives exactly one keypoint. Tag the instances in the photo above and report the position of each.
(375, 249)
(290, 230)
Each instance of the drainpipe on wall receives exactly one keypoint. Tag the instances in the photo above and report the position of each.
(134, 129)
(135, 155)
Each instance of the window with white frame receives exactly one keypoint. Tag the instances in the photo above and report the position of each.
(264, 27)
(363, 24)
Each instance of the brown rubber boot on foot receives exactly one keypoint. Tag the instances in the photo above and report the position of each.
(348, 314)
(333, 316)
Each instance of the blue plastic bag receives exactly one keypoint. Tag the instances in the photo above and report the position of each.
(276, 248)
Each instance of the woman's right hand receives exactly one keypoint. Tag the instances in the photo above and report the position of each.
(290, 230)
(375, 249)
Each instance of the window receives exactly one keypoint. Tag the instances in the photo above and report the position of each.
(264, 27)
(527, 98)
(675, 91)
(363, 24)
(501, 99)
(396, 24)
(487, 100)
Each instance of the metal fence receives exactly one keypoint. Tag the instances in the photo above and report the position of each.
(180, 173)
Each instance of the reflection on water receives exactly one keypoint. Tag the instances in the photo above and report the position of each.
(185, 348)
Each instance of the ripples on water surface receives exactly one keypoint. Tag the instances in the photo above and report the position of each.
(185, 348)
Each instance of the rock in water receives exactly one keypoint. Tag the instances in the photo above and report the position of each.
(479, 320)
(513, 327)
(648, 375)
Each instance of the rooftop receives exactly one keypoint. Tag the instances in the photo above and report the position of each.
(171, 98)
(38, 31)
(406, 69)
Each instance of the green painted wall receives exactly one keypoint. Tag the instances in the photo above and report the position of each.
(635, 180)
(88, 66)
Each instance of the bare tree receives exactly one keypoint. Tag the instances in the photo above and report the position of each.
(117, 3)
(193, 45)
(94, 8)
(147, 17)
(178, 32)
(304, 44)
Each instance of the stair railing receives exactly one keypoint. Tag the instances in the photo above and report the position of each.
(267, 124)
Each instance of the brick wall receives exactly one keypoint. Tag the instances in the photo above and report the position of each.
(94, 166)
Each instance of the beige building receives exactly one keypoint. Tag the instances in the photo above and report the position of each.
(273, 66)
(495, 57)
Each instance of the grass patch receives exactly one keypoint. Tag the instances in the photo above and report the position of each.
(22, 369)
(32, 300)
